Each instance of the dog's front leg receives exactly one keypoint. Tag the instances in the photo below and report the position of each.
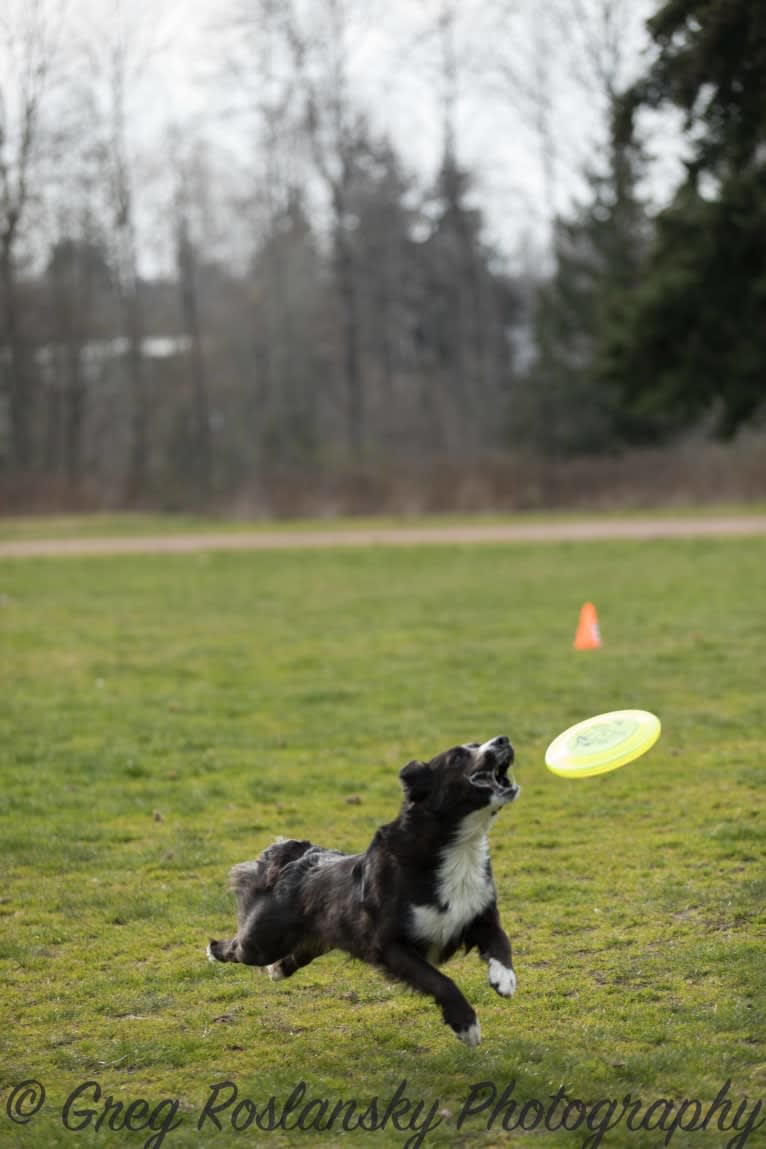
(410, 967)
(493, 945)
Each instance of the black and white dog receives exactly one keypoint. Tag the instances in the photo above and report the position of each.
(421, 890)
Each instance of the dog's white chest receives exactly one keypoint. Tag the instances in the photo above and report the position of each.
(463, 889)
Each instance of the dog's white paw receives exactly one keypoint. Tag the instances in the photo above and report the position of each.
(210, 955)
(470, 1036)
(502, 978)
(275, 971)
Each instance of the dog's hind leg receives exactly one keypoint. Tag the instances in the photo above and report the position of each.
(240, 949)
(410, 967)
(267, 932)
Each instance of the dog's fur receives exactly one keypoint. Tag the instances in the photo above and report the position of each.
(421, 890)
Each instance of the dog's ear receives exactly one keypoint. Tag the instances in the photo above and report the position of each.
(416, 778)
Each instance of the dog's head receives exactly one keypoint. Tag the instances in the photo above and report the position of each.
(463, 779)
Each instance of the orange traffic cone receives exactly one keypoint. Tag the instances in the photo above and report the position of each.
(588, 636)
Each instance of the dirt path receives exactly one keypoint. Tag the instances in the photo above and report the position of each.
(589, 530)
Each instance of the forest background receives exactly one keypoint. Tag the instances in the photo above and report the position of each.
(314, 256)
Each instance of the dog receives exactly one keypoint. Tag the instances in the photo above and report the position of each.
(421, 891)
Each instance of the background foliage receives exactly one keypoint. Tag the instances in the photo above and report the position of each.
(184, 320)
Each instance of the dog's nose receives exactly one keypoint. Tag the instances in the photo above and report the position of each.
(503, 743)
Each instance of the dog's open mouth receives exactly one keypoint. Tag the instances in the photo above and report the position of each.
(495, 777)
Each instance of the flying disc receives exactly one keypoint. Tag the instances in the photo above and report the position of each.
(602, 743)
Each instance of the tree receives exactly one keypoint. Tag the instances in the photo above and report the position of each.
(190, 173)
(119, 43)
(28, 40)
(564, 406)
(460, 306)
(558, 67)
(335, 131)
(120, 181)
(385, 260)
(711, 63)
(464, 355)
(578, 53)
(78, 277)
(260, 59)
(288, 285)
(695, 345)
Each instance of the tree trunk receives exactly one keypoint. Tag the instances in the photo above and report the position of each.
(350, 324)
(193, 328)
(75, 413)
(17, 367)
(139, 416)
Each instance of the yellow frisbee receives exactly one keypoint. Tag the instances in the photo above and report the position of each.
(602, 743)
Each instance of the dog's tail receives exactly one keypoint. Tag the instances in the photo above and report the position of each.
(247, 879)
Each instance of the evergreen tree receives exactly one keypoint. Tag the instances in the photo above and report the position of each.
(377, 201)
(695, 345)
(598, 253)
(288, 283)
(464, 315)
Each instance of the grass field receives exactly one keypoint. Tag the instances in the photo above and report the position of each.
(168, 716)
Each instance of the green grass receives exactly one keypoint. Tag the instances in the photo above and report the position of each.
(168, 716)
